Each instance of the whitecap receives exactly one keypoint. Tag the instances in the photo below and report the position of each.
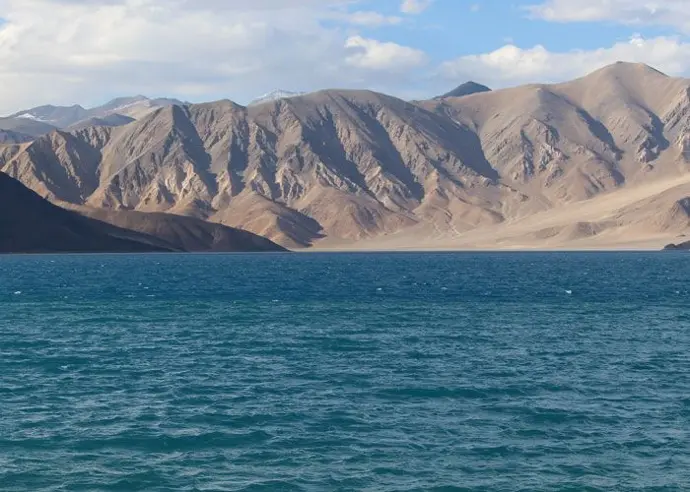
(569, 292)
(18, 293)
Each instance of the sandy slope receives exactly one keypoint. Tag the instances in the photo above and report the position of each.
(608, 222)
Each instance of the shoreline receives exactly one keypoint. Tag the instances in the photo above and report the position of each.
(305, 251)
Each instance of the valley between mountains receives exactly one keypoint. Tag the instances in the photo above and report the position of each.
(598, 162)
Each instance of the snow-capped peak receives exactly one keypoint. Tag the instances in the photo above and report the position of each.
(29, 116)
(122, 107)
(275, 95)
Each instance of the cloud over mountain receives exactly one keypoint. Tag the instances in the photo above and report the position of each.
(510, 64)
(88, 51)
(134, 46)
(636, 12)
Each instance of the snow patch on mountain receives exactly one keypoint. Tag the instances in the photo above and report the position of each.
(29, 116)
(275, 95)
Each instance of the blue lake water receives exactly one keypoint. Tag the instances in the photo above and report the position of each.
(320, 372)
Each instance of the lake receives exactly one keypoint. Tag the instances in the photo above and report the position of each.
(315, 372)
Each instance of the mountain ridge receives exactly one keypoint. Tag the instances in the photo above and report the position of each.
(30, 224)
(116, 112)
(351, 166)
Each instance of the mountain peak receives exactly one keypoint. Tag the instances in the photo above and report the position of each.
(466, 89)
(624, 68)
(275, 95)
(120, 102)
(129, 99)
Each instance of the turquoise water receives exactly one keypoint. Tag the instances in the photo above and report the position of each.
(377, 372)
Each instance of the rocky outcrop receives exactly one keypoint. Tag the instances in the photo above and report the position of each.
(678, 247)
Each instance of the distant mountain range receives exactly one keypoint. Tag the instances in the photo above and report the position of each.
(25, 125)
(598, 162)
(30, 123)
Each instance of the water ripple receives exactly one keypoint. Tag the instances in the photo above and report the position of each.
(467, 372)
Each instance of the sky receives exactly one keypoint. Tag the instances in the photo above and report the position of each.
(89, 51)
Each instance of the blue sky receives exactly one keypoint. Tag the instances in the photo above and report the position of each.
(87, 51)
(447, 29)
(465, 27)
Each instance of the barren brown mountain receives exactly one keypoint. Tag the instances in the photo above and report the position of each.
(30, 224)
(44, 119)
(186, 234)
(602, 161)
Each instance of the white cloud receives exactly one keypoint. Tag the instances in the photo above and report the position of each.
(660, 12)
(375, 55)
(415, 6)
(511, 65)
(372, 19)
(85, 51)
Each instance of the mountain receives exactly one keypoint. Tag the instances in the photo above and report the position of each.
(133, 107)
(685, 246)
(56, 116)
(466, 89)
(184, 233)
(25, 126)
(343, 163)
(44, 119)
(596, 162)
(30, 224)
(113, 119)
(274, 96)
(10, 137)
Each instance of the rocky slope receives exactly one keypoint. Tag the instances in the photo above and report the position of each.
(26, 127)
(28, 223)
(184, 233)
(347, 166)
(11, 137)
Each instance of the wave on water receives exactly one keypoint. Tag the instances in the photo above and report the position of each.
(461, 375)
